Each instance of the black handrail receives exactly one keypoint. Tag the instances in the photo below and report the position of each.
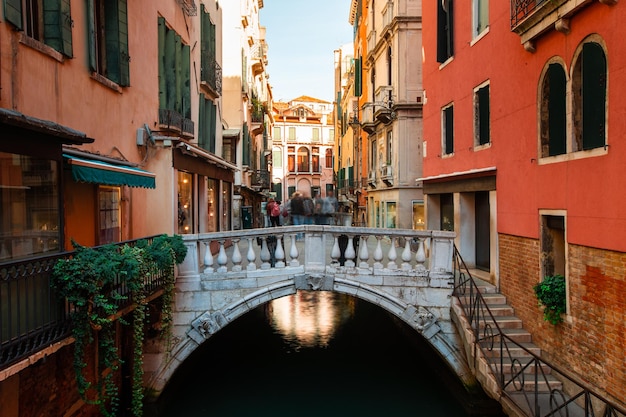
(563, 394)
(31, 316)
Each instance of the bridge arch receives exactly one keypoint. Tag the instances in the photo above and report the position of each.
(429, 321)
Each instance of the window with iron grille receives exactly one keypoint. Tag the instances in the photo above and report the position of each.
(108, 40)
(47, 21)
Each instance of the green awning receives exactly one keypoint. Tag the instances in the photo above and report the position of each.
(100, 172)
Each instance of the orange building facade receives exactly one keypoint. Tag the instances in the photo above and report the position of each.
(523, 159)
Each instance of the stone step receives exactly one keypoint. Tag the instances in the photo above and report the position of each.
(504, 322)
(527, 384)
(518, 335)
(490, 299)
(521, 363)
(500, 310)
(513, 351)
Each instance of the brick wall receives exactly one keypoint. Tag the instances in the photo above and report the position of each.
(592, 340)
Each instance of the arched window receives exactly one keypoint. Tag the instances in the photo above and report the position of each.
(589, 76)
(553, 111)
(303, 159)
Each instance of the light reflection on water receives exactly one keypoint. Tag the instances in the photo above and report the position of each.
(309, 318)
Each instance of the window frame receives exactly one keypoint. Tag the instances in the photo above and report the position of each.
(447, 130)
(482, 116)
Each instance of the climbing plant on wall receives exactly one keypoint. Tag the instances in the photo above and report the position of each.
(93, 282)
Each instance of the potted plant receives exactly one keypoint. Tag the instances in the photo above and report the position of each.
(551, 295)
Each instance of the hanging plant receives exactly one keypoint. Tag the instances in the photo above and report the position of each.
(91, 282)
(551, 295)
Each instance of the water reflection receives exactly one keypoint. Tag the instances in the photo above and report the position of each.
(309, 319)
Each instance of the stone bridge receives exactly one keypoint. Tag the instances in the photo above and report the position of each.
(406, 272)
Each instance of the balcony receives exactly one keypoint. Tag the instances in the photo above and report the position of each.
(371, 42)
(173, 122)
(368, 123)
(532, 18)
(32, 318)
(386, 174)
(259, 57)
(210, 76)
(260, 179)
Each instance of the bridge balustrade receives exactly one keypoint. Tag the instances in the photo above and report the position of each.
(316, 248)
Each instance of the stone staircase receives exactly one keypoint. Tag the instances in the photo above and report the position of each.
(508, 358)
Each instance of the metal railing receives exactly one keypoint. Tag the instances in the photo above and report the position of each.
(31, 316)
(537, 387)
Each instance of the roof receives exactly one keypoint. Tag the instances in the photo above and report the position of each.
(308, 99)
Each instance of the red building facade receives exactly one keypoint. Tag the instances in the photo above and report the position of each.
(523, 158)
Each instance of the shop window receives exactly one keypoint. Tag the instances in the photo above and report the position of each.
(391, 219)
(446, 207)
(30, 215)
(110, 215)
(418, 222)
(212, 199)
(185, 203)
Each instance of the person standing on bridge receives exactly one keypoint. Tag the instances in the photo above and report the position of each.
(297, 211)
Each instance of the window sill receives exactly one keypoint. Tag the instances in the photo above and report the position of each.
(478, 148)
(572, 156)
(446, 62)
(479, 36)
(106, 82)
(41, 47)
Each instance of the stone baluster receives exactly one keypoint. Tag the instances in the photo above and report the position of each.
(420, 256)
(265, 254)
(236, 258)
(350, 255)
(406, 255)
(378, 254)
(222, 259)
(335, 253)
(392, 255)
(364, 255)
(293, 252)
(251, 257)
(279, 255)
(208, 258)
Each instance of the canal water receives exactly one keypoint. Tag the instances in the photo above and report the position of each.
(317, 354)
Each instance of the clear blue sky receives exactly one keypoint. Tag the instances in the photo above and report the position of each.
(302, 35)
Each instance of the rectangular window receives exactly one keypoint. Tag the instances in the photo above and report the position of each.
(48, 21)
(292, 133)
(316, 135)
(373, 159)
(30, 215)
(445, 26)
(480, 17)
(331, 135)
(329, 158)
(291, 159)
(482, 129)
(108, 40)
(277, 158)
(110, 214)
(229, 149)
(389, 148)
(315, 159)
(553, 244)
(447, 130)
(210, 71)
(277, 133)
(185, 203)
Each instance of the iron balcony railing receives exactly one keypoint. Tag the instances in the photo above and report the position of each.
(537, 387)
(174, 121)
(211, 72)
(522, 9)
(31, 316)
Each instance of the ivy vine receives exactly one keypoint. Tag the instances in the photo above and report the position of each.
(93, 282)
(551, 295)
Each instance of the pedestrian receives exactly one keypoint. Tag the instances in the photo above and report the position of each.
(309, 208)
(273, 211)
(297, 211)
(330, 207)
(317, 211)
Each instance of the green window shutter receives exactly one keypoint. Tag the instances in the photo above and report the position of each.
(170, 70)
(185, 70)
(246, 146)
(204, 44)
(213, 126)
(357, 77)
(178, 81)
(124, 56)
(58, 25)
(202, 122)
(91, 32)
(112, 46)
(13, 12)
(162, 55)
(350, 176)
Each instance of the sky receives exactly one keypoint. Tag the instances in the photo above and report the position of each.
(302, 36)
